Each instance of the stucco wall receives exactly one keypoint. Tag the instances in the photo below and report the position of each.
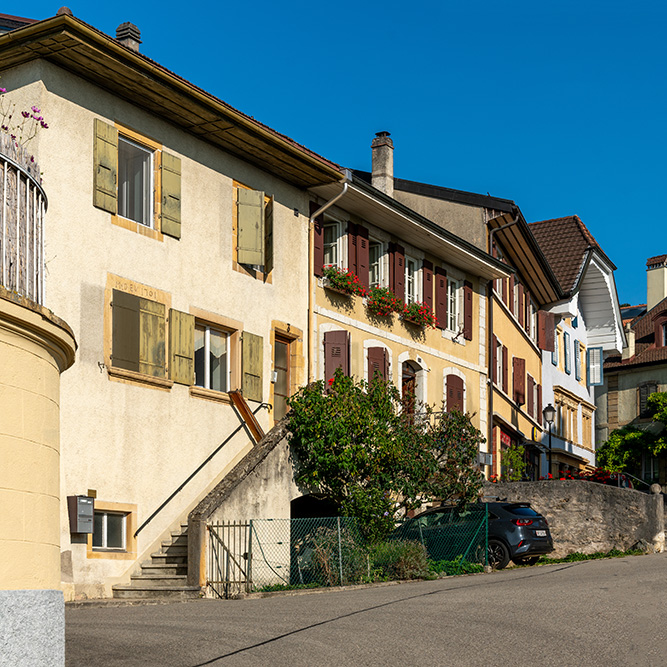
(35, 347)
(590, 517)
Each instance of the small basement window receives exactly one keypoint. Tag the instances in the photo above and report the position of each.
(109, 531)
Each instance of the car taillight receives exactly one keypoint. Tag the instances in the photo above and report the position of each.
(522, 522)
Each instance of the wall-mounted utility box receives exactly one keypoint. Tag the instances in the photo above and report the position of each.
(81, 509)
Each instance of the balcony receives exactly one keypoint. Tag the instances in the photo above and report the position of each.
(21, 222)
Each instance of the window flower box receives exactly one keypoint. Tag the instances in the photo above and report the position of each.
(419, 314)
(383, 302)
(342, 281)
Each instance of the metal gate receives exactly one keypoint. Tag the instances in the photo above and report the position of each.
(229, 559)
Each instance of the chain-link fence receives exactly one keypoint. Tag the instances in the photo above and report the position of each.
(282, 553)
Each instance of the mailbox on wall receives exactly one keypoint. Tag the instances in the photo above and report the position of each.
(81, 509)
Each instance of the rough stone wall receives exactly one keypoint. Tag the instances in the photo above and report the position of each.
(590, 517)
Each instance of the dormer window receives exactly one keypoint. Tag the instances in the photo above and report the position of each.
(660, 328)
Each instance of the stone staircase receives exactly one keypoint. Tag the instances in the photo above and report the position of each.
(164, 575)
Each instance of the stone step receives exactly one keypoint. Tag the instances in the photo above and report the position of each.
(159, 558)
(174, 549)
(158, 580)
(128, 592)
(179, 539)
(151, 567)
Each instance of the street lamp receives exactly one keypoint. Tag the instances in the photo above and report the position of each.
(549, 414)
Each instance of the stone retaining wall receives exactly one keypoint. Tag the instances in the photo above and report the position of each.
(590, 517)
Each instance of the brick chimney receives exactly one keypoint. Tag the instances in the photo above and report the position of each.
(383, 163)
(656, 280)
(129, 35)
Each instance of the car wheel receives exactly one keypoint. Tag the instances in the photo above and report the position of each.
(531, 560)
(499, 556)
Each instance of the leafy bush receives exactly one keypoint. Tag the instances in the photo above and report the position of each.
(457, 566)
(399, 560)
(333, 554)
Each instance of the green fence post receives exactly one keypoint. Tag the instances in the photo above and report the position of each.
(340, 552)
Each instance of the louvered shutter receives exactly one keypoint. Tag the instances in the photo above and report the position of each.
(531, 389)
(521, 309)
(594, 366)
(505, 370)
(268, 235)
(577, 360)
(250, 243)
(510, 296)
(467, 310)
(125, 331)
(352, 247)
(399, 272)
(441, 296)
(253, 367)
(171, 195)
(519, 380)
(105, 166)
(454, 393)
(336, 353)
(566, 352)
(362, 255)
(318, 240)
(526, 319)
(494, 365)
(377, 363)
(546, 323)
(538, 412)
(181, 347)
(151, 338)
(427, 284)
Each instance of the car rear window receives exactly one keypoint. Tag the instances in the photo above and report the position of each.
(523, 511)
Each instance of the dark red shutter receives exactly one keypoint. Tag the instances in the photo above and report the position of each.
(318, 240)
(377, 362)
(505, 370)
(467, 310)
(427, 287)
(391, 251)
(352, 247)
(454, 393)
(538, 414)
(530, 389)
(494, 365)
(441, 296)
(519, 380)
(399, 272)
(336, 353)
(362, 255)
(511, 295)
(526, 320)
(546, 323)
(521, 314)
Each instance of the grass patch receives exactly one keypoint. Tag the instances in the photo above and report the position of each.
(457, 566)
(274, 588)
(578, 556)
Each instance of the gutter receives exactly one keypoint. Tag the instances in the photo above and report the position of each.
(312, 336)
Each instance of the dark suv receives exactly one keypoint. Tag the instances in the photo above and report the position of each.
(516, 532)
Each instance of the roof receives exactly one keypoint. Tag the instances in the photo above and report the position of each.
(629, 313)
(565, 242)
(9, 22)
(646, 351)
(87, 52)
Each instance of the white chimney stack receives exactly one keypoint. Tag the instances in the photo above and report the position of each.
(383, 163)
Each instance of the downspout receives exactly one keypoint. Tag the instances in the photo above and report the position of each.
(490, 337)
(311, 275)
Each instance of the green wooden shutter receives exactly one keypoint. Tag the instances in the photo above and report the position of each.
(151, 338)
(253, 366)
(171, 195)
(250, 227)
(125, 331)
(268, 236)
(181, 347)
(105, 167)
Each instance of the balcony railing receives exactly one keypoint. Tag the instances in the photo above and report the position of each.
(23, 204)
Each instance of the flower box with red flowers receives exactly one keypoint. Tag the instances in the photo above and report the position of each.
(419, 314)
(342, 281)
(383, 302)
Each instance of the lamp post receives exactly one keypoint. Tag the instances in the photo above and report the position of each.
(549, 414)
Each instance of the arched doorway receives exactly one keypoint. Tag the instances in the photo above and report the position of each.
(313, 506)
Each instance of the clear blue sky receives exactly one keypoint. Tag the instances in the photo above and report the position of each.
(558, 105)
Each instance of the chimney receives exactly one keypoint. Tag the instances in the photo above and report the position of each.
(383, 163)
(629, 351)
(656, 280)
(129, 35)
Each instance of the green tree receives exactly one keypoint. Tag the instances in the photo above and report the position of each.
(513, 464)
(625, 446)
(353, 442)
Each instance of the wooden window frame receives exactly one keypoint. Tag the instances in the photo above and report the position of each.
(287, 332)
(413, 275)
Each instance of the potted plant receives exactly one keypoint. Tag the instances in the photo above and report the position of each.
(420, 314)
(383, 302)
(342, 281)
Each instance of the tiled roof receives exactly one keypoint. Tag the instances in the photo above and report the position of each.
(564, 242)
(646, 351)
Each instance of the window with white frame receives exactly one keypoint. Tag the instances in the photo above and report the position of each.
(135, 182)
(109, 530)
(566, 352)
(412, 291)
(533, 321)
(515, 298)
(375, 269)
(331, 242)
(454, 298)
(211, 358)
(499, 363)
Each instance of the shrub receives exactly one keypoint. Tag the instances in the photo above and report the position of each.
(333, 554)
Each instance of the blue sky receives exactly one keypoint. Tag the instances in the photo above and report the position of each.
(559, 106)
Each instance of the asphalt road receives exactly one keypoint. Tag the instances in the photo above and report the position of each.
(609, 612)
